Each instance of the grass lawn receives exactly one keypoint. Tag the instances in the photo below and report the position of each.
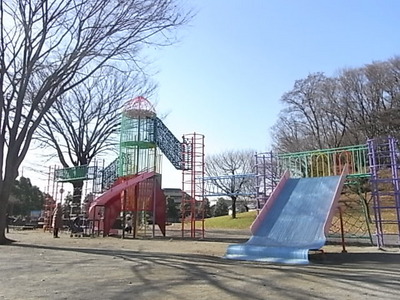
(242, 221)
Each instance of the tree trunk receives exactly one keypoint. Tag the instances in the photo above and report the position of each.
(233, 207)
(5, 190)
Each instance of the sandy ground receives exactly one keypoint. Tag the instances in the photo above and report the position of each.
(40, 267)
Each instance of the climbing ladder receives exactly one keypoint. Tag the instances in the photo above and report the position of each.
(187, 156)
(193, 200)
(267, 176)
(384, 165)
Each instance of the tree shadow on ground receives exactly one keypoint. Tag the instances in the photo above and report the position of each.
(244, 279)
(354, 258)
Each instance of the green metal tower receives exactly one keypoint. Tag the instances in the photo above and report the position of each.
(138, 149)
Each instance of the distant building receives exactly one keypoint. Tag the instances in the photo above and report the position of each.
(175, 194)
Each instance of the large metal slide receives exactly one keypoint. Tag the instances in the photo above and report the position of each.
(295, 219)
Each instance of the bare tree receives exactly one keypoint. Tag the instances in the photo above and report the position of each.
(287, 134)
(300, 126)
(353, 84)
(372, 95)
(322, 112)
(231, 163)
(383, 92)
(48, 47)
(305, 100)
(318, 114)
(84, 122)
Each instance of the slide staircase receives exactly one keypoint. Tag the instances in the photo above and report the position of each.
(164, 139)
(168, 143)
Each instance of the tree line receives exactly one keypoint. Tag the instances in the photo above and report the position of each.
(52, 51)
(25, 198)
(347, 109)
(219, 208)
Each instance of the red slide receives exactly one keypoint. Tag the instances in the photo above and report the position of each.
(105, 209)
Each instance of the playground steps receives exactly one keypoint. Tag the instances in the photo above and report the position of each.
(168, 143)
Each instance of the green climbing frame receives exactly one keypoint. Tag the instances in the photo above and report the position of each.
(355, 199)
(326, 162)
(76, 173)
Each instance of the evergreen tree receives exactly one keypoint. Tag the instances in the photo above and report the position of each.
(207, 209)
(172, 210)
(220, 208)
(29, 197)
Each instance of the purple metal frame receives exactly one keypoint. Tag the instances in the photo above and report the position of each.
(382, 154)
(267, 176)
(395, 179)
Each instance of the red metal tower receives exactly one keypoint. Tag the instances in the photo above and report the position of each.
(193, 202)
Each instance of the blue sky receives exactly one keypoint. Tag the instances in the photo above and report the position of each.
(236, 58)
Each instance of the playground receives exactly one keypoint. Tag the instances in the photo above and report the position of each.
(302, 198)
(112, 223)
(176, 268)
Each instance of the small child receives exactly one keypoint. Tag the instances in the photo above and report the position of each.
(128, 224)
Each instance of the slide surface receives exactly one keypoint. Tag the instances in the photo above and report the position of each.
(111, 203)
(294, 220)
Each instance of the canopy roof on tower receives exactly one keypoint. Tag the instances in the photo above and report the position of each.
(139, 107)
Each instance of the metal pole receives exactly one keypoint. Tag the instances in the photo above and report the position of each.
(342, 230)
(372, 153)
(154, 193)
(136, 213)
(123, 213)
(395, 178)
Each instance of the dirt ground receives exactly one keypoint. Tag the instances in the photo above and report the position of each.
(40, 267)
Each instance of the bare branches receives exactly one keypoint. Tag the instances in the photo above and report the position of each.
(49, 47)
(231, 163)
(85, 121)
(327, 112)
